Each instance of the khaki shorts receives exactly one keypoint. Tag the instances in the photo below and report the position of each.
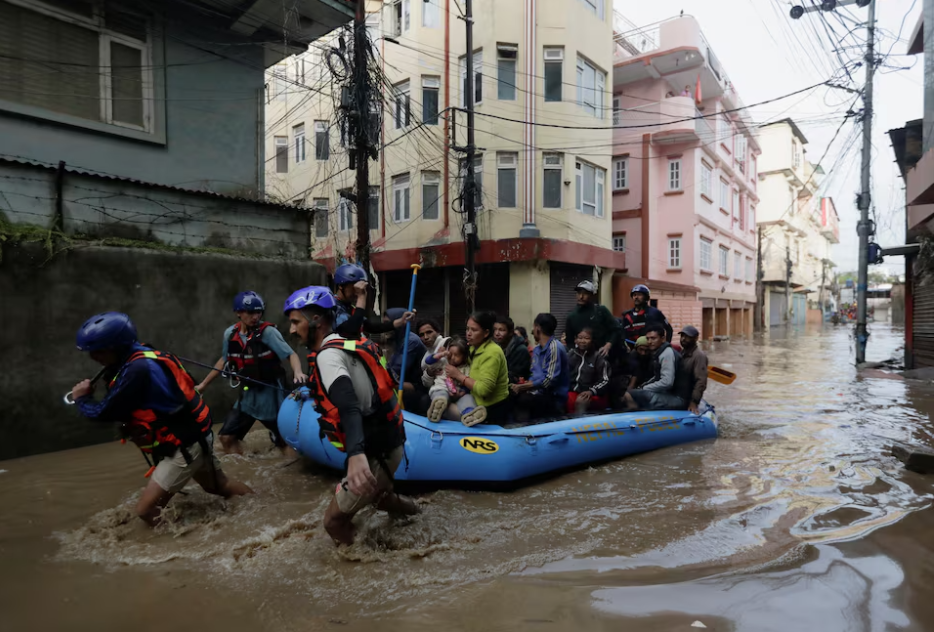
(173, 473)
(350, 503)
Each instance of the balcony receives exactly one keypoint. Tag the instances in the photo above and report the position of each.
(675, 50)
(673, 120)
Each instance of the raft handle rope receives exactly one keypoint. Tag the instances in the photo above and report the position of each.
(70, 400)
(225, 372)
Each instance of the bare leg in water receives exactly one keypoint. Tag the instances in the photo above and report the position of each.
(154, 499)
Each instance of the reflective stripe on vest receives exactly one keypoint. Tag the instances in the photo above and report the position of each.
(383, 388)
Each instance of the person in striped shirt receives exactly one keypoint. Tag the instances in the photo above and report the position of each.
(546, 393)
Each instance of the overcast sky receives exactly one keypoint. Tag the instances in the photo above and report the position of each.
(767, 54)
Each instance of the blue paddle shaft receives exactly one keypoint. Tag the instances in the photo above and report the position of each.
(408, 329)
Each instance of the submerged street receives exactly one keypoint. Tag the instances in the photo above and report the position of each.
(795, 518)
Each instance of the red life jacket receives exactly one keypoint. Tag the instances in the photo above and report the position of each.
(158, 433)
(254, 359)
(387, 410)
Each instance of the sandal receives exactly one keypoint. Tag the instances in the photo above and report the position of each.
(437, 408)
(474, 416)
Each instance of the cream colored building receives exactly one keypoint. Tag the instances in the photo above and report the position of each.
(545, 221)
(797, 225)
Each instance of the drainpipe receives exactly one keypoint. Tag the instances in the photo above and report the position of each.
(646, 167)
(529, 229)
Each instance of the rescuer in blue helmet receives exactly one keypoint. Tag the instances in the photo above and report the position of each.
(153, 398)
(350, 292)
(254, 349)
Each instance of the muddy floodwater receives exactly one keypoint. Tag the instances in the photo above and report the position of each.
(795, 519)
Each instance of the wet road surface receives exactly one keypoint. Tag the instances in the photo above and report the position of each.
(796, 518)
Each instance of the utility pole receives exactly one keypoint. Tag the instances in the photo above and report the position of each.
(361, 119)
(787, 284)
(823, 280)
(760, 288)
(469, 195)
(865, 228)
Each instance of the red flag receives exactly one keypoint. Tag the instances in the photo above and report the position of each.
(697, 91)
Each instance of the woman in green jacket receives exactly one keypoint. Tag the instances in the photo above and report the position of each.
(489, 377)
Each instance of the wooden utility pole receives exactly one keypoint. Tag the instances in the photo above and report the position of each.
(787, 284)
(470, 186)
(361, 119)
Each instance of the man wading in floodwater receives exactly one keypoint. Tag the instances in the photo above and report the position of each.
(154, 397)
(360, 414)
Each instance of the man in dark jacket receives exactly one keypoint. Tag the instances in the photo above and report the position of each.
(589, 314)
(694, 365)
(636, 322)
(515, 348)
(669, 388)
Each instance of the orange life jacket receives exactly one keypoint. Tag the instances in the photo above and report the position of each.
(158, 433)
(254, 359)
(387, 410)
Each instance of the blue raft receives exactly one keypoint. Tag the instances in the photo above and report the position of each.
(449, 454)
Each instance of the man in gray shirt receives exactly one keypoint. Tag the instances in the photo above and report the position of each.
(668, 389)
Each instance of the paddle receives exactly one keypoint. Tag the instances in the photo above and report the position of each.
(715, 373)
(408, 328)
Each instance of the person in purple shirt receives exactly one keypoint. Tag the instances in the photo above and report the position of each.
(546, 393)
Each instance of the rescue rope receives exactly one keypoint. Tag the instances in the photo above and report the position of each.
(228, 373)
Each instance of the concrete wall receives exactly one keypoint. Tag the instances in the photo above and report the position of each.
(104, 207)
(208, 117)
(180, 302)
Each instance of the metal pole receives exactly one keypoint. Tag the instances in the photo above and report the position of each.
(787, 284)
(864, 228)
(361, 116)
(760, 290)
(469, 198)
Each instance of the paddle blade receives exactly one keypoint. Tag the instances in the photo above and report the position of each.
(723, 376)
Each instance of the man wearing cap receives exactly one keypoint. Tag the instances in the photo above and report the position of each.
(639, 364)
(591, 315)
(636, 322)
(694, 365)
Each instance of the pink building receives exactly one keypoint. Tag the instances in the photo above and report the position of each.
(684, 179)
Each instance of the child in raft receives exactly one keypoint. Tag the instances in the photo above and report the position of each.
(448, 400)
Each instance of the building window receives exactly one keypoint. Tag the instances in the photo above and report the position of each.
(431, 194)
(742, 213)
(620, 174)
(279, 90)
(321, 217)
(674, 174)
(552, 180)
(595, 7)
(725, 129)
(506, 72)
(740, 155)
(706, 183)
(400, 16)
(477, 78)
(737, 265)
(372, 208)
(400, 198)
(749, 269)
(735, 208)
(590, 88)
(87, 59)
(706, 251)
(430, 86)
(344, 211)
(554, 62)
(674, 252)
(477, 178)
(322, 144)
(282, 154)
(403, 106)
(724, 194)
(300, 70)
(298, 134)
(619, 243)
(590, 183)
(431, 14)
(795, 155)
(617, 110)
(506, 173)
(724, 261)
(752, 168)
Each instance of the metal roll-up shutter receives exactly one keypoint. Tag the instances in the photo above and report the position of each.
(776, 308)
(429, 292)
(922, 329)
(564, 280)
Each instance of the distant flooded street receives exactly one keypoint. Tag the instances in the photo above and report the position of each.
(796, 518)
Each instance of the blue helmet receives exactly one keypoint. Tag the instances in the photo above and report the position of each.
(640, 289)
(311, 296)
(349, 273)
(106, 331)
(249, 301)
